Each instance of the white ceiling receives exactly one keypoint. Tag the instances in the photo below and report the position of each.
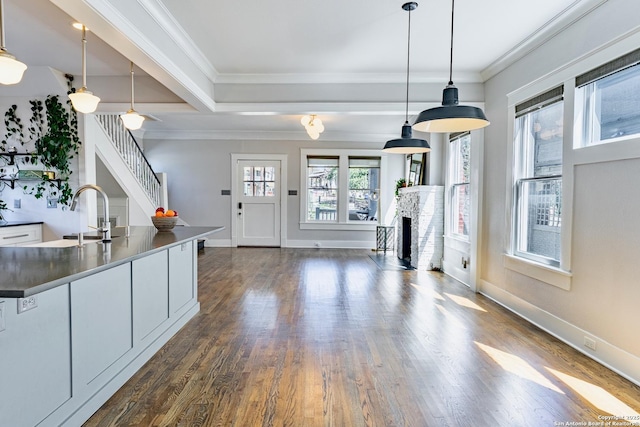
(250, 68)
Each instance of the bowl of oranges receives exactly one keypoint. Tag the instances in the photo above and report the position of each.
(165, 220)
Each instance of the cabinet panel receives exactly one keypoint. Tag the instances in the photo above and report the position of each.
(101, 322)
(20, 234)
(181, 276)
(36, 359)
(150, 293)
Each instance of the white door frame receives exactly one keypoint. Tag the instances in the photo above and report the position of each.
(235, 157)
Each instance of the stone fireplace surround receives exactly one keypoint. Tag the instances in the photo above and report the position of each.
(424, 205)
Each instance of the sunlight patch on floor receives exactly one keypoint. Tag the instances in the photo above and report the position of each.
(450, 317)
(465, 302)
(599, 397)
(517, 366)
(428, 291)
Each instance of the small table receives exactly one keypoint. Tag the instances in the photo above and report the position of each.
(385, 236)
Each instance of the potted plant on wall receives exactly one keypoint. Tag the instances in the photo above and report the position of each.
(55, 146)
(400, 184)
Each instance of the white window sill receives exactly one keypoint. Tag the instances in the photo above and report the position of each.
(355, 226)
(544, 273)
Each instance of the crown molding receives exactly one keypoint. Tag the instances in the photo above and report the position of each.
(572, 13)
(350, 78)
(298, 135)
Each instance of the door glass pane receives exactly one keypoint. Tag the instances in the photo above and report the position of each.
(258, 174)
(269, 173)
(247, 173)
(269, 189)
(248, 188)
(259, 189)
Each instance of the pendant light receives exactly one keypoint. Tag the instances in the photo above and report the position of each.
(451, 117)
(132, 120)
(11, 70)
(313, 125)
(407, 144)
(83, 100)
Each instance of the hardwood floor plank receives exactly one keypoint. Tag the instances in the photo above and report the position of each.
(297, 337)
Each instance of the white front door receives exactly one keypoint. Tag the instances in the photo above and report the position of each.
(258, 203)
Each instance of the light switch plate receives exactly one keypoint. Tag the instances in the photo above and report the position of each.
(52, 203)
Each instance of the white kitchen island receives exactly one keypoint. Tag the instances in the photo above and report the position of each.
(77, 323)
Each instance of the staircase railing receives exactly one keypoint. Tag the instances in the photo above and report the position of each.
(132, 155)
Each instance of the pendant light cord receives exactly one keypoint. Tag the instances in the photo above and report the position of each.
(132, 85)
(406, 109)
(2, 25)
(84, 57)
(451, 50)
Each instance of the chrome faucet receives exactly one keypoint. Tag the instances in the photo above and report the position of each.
(106, 225)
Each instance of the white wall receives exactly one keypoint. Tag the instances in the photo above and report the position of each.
(198, 170)
(604, 292)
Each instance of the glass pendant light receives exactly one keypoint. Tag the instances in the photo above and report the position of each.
(313, 126)
(451, 117)
(132, 120)
(406, 144)
(11, 70)
(83, 100)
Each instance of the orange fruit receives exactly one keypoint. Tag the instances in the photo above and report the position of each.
(160, 213)
(170, 213)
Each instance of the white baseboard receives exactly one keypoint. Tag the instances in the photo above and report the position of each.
(217, 243)
(331, 244)
(452, 269)
(614, 358)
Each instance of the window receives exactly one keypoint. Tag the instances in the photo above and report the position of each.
(259, 181)
(538, 133)
(459, 195)
(608, 101)
(322, 189)
(364, 188)
(341, 189)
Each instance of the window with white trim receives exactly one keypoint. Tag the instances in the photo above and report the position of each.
(322, 188)
(538, 138)
(364, 188)
(608, 102)
(340, 189)
(459, 188)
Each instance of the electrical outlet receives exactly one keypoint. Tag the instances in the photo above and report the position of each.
(17, 203)
(2, 324)
(28, 303)
(52, 203)
(590, 343)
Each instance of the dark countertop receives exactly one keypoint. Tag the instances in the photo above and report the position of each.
(26, 271)
(16, 223)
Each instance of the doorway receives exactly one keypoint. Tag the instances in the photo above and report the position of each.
(258, 205)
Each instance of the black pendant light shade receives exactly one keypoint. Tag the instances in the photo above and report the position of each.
(451, 117)
(406, 144)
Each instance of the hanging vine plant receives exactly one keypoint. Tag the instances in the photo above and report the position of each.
(13, 127)
(55, 148)
(53, 132)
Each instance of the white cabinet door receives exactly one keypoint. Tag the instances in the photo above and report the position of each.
(20, 235)
(35, 357)
(181, 276)
(150, 277)
(101, 328)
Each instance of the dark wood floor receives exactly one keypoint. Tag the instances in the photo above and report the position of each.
(297, 337)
